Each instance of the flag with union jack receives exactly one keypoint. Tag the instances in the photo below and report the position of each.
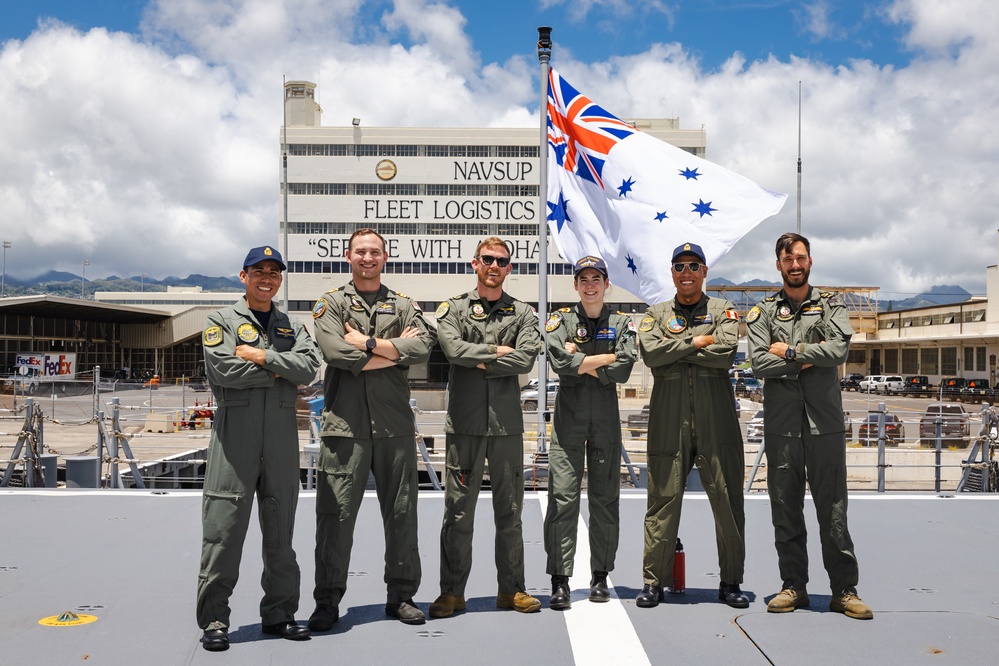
(629, 198)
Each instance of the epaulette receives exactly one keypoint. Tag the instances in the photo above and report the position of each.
(826, 294)
(333, 290)
(565, 309)
(771, 299)
(460, 296)
(398, 293)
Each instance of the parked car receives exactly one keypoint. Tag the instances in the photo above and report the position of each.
(950, 387)
(750, 388)
(918, 386)
(529, 396)
(851, 382)
(754, 428)
(870, 383)
(638, 424)
(977, 391)
(894, 430)
(955, 426)
(890, 385)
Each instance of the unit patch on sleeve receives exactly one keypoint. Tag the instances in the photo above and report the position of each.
(212, 336)
(646, 325)
(248, 333)
(554, 321)
(753, 314)
(319, 308)
(442, 310)
(731, 314)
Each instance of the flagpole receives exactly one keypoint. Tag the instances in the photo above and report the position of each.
(544, 56)
(284, 181)
(799, 157)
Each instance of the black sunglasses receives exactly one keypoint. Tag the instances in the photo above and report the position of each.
(694, 266)
(488, 260)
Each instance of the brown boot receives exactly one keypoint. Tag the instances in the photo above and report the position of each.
(521, 602)
(850, 605)
(787, 600)
(446, 604)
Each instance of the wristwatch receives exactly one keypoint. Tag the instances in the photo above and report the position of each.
(790, 354)
(369, 345)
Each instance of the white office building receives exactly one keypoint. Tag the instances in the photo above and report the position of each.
(432, 192)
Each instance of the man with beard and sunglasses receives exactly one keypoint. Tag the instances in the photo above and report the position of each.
(797, 339)
(490, 339)
(689, 343)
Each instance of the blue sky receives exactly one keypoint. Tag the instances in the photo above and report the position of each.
(148, 124)
(834, 32)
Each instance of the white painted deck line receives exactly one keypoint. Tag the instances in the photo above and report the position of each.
(598, 633)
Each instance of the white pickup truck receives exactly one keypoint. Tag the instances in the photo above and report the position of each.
(890, 385)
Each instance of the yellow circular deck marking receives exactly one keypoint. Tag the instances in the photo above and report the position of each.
(67, 619)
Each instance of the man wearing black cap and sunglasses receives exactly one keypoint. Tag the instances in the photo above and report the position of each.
(255, 357)
(689, 343)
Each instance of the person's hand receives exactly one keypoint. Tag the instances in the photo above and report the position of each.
(779, 349)
(355, 338)
(410, 332)
(503, 350)
(702, 341)
(570, 347)
(252, 354)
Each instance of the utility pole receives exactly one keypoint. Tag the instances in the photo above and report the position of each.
(83, 282)
(3, 280)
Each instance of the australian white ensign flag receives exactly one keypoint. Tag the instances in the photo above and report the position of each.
(629, 198)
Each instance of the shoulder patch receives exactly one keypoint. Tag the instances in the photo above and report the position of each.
(212, 337)
(753, 314)
(442, 310)
(554, 321)
(319, 308)
(646, 325)
(731, 314)
(631, 325)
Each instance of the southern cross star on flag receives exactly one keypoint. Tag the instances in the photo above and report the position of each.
(620, 194)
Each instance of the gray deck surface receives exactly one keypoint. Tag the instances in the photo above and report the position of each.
(927, 562)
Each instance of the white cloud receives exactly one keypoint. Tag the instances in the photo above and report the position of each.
(157, 153)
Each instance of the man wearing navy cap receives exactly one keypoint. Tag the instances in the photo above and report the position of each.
(689, 343)
(255, 357)
(592, 350)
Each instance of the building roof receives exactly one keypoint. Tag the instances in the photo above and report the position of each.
(74, 308)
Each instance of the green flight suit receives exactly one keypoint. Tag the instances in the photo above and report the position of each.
(586, 429)
(253, 449)
(692, 420)
(804, 434)
(485, 422)
(367, 426)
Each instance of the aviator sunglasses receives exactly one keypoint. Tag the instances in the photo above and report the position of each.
(692, 266)
(488, 260)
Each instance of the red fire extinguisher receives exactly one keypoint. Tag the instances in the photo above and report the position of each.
(679, 570)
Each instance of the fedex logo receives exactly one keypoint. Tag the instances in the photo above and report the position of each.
(60, 366)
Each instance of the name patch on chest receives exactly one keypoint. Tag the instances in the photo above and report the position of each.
(385, 308)
(606, 334)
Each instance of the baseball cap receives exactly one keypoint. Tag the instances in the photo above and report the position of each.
(590, 262)
(689, 248)
(264, 253)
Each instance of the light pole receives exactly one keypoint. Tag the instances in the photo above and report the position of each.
(83, 283)
(3, 279)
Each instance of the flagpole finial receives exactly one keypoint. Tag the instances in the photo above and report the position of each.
(544, 44)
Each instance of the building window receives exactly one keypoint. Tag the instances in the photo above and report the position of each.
(437, 151)
(477, 190)
(891, 360)
(910, 361)
(929, 361)
(978, 315)
(477, 151)
(366, 150)
(980, 359)
(437, 190)
(857, 356)
(969, 359)
(407, 190)
(366, 189)
(948, 360)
